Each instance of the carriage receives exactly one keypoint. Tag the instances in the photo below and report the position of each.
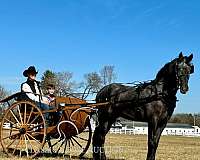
(24, 131)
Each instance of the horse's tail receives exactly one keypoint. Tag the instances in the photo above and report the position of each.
(104, 94)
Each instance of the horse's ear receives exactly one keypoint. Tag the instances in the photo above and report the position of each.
(180, 56)
(190, 57)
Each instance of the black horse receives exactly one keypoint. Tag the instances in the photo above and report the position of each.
(152, 102)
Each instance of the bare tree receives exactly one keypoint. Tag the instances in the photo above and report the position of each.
(92, 84)
(3, 94)
(64, 83)
(108, 74)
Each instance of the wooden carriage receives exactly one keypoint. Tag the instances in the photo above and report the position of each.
(24, 131)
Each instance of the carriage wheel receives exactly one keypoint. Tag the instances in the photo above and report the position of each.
(73, 145)
(23, 130)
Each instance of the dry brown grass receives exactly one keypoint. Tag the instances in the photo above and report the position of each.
(134, 147)
(170, 147)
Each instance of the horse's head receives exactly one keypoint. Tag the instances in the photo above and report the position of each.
(184, 68)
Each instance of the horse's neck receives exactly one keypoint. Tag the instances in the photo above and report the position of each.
(167, 85)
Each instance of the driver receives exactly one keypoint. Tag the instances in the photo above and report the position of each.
(33, 91)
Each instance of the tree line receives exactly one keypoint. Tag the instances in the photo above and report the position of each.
(91, 83)
(188, 118)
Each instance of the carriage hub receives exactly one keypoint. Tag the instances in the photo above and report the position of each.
(22, 130)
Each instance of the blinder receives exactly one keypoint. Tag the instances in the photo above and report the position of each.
(191, 68)
(184, 69)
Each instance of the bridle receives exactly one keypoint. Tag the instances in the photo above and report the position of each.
(183, 69)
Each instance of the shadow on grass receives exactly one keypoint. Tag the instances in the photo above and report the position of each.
(49, 155)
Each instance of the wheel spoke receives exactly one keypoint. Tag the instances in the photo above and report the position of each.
(34, 132)
(10, 136)
(33, 138)
(14, 116)
(26, 145)
(17, 145)
(9, 121)
(34, 119)
(71, 142)
(81, 138)
(60, 147)
(11, 142)
(56, 142)
(30, 115)
(20, 114)
(25, 113)
(77, 142)
(65, 146)
(32, 144)
(21, 146)
(29, 142)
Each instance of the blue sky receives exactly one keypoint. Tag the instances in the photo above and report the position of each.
(81, 36)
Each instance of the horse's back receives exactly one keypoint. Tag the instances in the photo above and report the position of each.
(109, 91)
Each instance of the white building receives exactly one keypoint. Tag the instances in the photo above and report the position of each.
(131, 127)
(181, 130)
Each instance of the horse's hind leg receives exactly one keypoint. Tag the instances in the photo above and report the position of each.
(105, 123)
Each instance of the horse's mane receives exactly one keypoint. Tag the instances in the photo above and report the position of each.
(144, 84)
(162, 72)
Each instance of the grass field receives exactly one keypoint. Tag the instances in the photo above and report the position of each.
(134, 147)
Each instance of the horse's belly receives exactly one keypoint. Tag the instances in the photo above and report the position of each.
(136, 114)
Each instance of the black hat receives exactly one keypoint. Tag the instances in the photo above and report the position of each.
(30, 69)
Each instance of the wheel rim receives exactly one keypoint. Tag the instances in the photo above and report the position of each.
(23, 130)
(76, 145)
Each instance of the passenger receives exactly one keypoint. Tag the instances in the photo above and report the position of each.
(32, 91)
(55, 116)
(50, 92)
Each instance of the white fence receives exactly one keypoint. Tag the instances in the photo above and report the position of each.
(193, 132)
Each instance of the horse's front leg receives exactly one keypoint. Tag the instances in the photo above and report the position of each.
(99, 139)
(98, 144)
(154, 133)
